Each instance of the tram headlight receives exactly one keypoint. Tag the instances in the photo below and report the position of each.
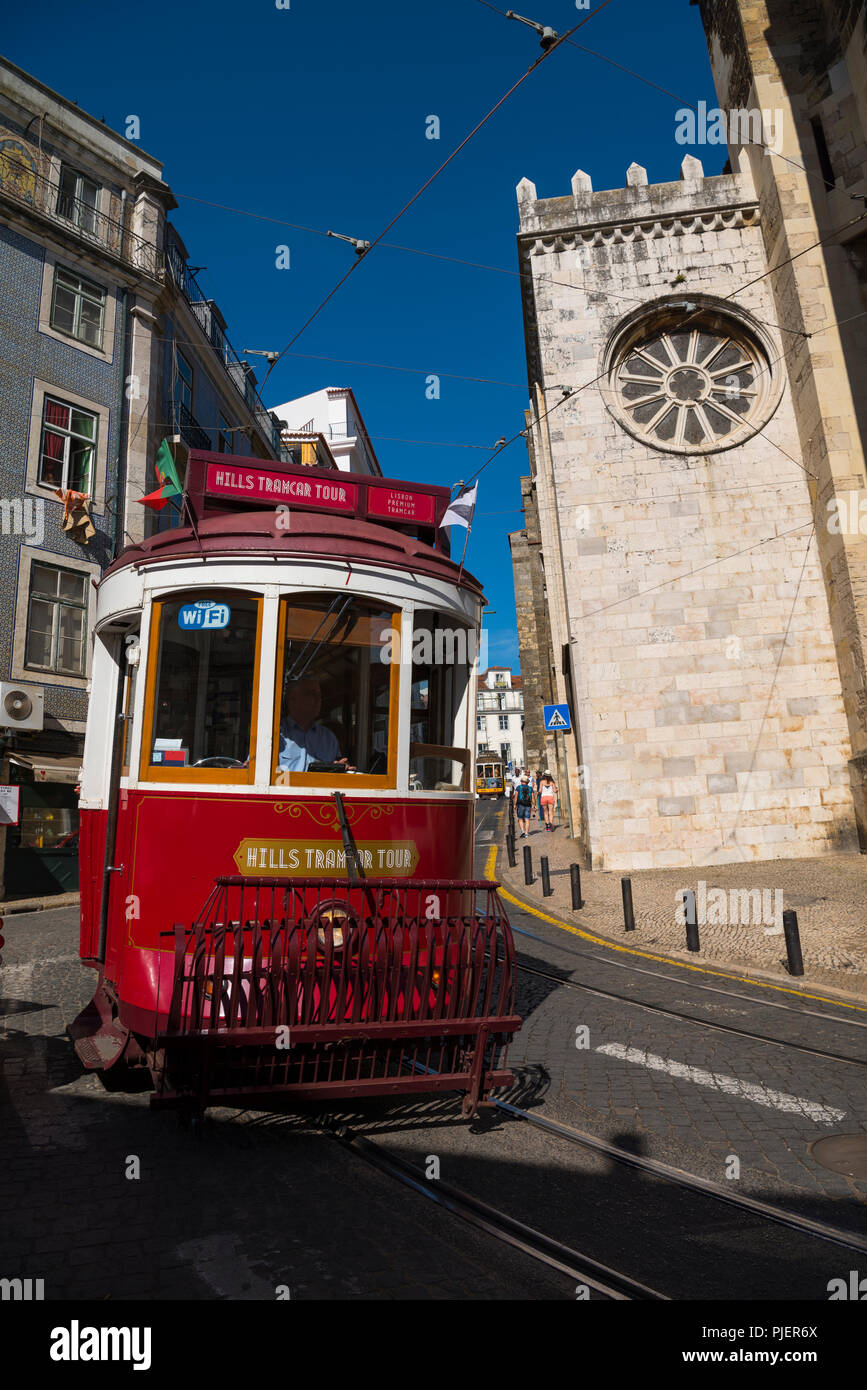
(339, 917)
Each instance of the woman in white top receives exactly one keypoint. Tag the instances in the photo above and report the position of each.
(547, 798)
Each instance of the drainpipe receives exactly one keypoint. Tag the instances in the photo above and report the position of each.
(123, 408)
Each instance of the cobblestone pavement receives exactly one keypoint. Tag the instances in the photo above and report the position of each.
(718, 1094)
(829, 896)
(234, 1215)
(264, 1202)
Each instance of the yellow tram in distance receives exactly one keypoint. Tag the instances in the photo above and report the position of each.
(489, 777)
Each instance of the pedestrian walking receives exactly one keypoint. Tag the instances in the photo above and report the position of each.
(547, 798)
(524, 805)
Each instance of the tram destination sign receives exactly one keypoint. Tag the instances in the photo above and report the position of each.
(223, 482)
(395, 504)
(332, 494)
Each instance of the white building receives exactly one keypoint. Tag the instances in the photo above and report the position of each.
(500, 715)
(333, 413)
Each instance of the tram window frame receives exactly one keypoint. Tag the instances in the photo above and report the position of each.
(153, 772)
(343, 781)
(129, 675)
(436, 648)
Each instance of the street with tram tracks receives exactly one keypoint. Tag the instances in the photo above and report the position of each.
(603, 1173)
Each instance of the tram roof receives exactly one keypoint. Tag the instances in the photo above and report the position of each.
(253, 533)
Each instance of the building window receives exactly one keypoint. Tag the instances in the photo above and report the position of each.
(691, 383)
(183, 382)
(224, 439)
(503, 721)
(67, 446)
(480, 723)
(78, 200)
(77, 307)
(57, 620)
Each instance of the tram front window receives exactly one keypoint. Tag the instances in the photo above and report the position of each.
(337, 696)
(442, 657)
(203, 697)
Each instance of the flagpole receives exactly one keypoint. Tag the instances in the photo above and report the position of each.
(464, 556)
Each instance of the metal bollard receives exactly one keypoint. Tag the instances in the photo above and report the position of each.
(528, 864)
(547, 890)
(692, 942)
(793, 942)
(575, 876)
(628, 914)
(510, 850)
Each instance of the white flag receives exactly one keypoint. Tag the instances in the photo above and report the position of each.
(460, 512)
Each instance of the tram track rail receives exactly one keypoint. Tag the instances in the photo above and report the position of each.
(688, 1018)
(678, 1177)
(686, 981)
(690, 1181)
(573, 1264)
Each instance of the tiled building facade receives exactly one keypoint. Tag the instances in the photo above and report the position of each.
(107, 347)
(706, 620)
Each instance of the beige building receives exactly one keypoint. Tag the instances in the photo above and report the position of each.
(693, 573)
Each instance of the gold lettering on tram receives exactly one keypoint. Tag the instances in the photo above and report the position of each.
(319, 858)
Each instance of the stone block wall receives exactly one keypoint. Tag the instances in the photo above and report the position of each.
(707, 692)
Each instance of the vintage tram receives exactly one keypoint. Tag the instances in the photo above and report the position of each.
(276, 805)
(490, 777)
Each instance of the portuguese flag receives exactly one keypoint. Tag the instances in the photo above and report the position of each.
(170, 483)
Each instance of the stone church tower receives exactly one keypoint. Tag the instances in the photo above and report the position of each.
(693, 573)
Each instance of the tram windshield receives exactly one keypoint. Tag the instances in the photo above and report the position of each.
(336, 692)
(337, 682)
(203, 698)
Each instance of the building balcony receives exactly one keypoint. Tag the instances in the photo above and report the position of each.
(211, 322)
(187, 428)
(32, 193)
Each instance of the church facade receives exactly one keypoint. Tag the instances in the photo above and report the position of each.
(692, 577)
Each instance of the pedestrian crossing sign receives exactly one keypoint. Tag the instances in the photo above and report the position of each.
(557, 718)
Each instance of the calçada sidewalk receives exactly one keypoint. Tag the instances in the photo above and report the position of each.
(829, 896)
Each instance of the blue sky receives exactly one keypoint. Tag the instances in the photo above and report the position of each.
(317, 114)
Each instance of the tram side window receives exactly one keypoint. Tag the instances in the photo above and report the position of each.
(203, 696)
(336, 693)
(442, 656)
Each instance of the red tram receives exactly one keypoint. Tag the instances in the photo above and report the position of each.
(277, 801)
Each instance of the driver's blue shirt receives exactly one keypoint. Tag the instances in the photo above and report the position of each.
(301, 747)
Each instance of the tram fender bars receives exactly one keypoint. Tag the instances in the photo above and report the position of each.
(363, 997)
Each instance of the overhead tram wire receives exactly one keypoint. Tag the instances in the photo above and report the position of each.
(569, 394)
(427, 183)
(452, 260)
(639, 77)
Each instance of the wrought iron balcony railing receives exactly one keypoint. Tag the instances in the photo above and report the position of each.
(239, 371)
(22, 185)
(187, 426)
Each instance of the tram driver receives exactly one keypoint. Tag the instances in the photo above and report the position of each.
(303, 740)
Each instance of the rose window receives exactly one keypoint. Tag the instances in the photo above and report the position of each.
(692, 389)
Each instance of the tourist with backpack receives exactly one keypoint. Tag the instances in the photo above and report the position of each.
(524, 805)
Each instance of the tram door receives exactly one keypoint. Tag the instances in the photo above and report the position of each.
(106, 882)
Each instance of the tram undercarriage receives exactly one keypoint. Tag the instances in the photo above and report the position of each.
(319, 989)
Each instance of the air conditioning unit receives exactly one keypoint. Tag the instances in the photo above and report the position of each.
(21, 706)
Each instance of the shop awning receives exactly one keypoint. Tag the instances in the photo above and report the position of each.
(46, 768)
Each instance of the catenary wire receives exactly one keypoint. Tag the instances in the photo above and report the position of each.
(427, 183)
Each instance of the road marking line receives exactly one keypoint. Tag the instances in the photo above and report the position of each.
(490, 872)
(717, 1081)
